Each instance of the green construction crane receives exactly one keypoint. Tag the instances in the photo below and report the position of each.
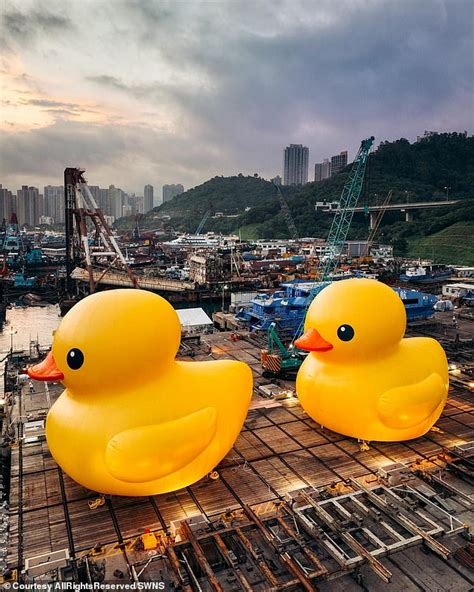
(342, 220)
(277, 359)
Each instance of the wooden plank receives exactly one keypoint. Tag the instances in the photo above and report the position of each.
(250, 487)
(372, 458)
(213, 496)
(454, 428)
(466, 419)
(397, 451)
(325, 432)
(341, 462)
(255, 419)
(76, 492)
(278, 415)
(134, 515)
(229, 459)
(177, 505)
(58, 528)
(36, 533)
(424, 446)
(304, 434)
(278, 475)
(90, 527)
(276, 439)
(450, 409)
(310, 468)
(251, 447)
(44, 530)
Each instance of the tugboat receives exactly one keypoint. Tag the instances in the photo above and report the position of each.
(427, 274)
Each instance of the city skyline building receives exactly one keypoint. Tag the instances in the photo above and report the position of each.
(147, 198)
(322, 170)
(170, 191)
(295, 167)
(338, 162)
(7, 203)
(53, 196)
(29, 204)
(33, 208)
(116, 201)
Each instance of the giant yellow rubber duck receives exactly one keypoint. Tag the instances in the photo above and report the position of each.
(132, 420)
(362, 378)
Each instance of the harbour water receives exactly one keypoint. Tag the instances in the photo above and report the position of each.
(23, 324)
(26, 323)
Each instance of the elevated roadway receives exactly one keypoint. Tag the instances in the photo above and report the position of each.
(408, 208)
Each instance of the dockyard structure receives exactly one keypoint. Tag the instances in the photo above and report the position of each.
(83, 216)
(461, 293)
(194, 321)
(205, 268)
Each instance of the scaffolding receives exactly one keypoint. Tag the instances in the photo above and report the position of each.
(89, 238)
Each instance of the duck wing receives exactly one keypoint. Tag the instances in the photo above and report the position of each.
(406, 406)
(146, 453)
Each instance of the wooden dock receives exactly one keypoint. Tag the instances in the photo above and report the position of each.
(279, 452)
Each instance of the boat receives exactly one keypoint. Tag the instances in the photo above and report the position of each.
(418, 305)
(287, 307)
(427, 274)
(53, 240)
(21, 280)
(209, 240)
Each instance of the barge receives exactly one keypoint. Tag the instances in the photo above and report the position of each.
(287, 307)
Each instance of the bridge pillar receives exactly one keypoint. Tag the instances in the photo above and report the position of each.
(408, 215)
(373, 219)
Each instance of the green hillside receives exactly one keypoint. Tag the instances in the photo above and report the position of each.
(454, 244)
(414, 172)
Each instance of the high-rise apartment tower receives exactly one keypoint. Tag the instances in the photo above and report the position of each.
(295, 169)
(148, 198)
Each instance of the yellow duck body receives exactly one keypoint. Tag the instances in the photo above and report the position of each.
(133, 420)
(362, 378)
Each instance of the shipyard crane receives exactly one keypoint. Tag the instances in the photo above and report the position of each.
(100, 253)
(376, 224)
(287, 214)
(204, 219)
(276, 358)
(342, 220)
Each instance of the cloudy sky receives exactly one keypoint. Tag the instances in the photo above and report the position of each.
(151, 91)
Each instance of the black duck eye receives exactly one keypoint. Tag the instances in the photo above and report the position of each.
(345, 332)
(75, 359)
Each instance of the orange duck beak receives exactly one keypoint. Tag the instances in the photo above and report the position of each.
(312, 340)
(46, 370)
